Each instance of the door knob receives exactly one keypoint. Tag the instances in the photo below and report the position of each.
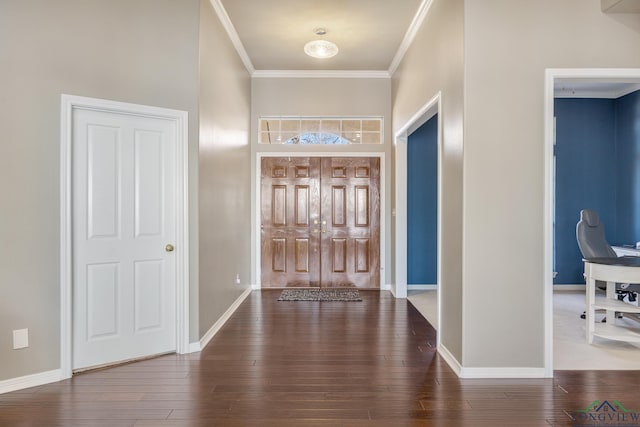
(169, 248)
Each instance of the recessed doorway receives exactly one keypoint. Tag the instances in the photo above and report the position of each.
(320, 222)
(586, 118)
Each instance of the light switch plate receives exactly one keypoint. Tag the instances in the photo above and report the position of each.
(20, 338)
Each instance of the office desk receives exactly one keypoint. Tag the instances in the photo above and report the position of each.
(626, 251)
(611, 270)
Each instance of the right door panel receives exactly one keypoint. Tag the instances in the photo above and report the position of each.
(350, 239)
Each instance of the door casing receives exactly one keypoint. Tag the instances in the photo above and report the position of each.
(69, 103)
(588, 75)
(427, 111)
(255, 235)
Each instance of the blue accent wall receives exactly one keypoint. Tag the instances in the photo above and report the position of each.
(585, 176)
(628, 170)
(597, 167)
(422, 204)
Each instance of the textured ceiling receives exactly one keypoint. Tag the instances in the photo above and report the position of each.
(595, 88)
(367, 32)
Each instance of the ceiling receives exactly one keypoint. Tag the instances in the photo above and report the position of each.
(595, 88)
(369, 33)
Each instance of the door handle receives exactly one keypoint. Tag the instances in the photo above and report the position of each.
(169, 248)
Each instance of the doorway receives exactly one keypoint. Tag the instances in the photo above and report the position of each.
(582, 131)
(432, 304)
(124, 210)
(320, 222)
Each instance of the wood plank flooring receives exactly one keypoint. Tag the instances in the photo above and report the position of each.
(370, 363)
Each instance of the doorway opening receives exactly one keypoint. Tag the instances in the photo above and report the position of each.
(429, 116)
(422, 206)
(592, 137)
(320, 222)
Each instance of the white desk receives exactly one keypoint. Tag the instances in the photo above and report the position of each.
(626, 251)
(612, 271)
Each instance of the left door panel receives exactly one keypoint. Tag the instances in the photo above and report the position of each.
(290, 229)
(124, 215)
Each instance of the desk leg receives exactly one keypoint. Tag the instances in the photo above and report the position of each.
(590, 300)
(611, 294)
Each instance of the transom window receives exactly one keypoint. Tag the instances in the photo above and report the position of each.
(321, 130)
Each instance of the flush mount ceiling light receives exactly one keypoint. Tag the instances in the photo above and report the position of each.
(320, 48)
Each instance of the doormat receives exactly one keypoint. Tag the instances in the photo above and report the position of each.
(320, 295)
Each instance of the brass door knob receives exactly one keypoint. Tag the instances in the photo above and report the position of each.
(169, 248)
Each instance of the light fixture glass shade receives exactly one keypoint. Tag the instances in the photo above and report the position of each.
(321, 49)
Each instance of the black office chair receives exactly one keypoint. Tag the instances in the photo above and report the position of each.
(593, 244)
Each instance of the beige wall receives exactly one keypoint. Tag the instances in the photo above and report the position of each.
(508, 45)
(143, 52)
(225, 108)
(325, 97)
(435, 63)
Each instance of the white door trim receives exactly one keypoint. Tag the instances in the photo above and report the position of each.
(69, 103)
(257, 255)
(551, 74)
(431, 108)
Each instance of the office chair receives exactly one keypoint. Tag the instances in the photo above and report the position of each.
(591, 238)
(593, 244)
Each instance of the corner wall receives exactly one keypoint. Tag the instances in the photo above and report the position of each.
(434, 63)
(508, 46)
(224, 185)
(628, 172)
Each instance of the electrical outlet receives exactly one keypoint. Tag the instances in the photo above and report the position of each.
(20, 338)
(237, 278)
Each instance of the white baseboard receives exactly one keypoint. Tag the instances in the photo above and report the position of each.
(256, 287)
(450, 359)
(503, 373)
(194, 347)
(569, 288)
(32, 380)
(223, 319)
(422, 287)
(486, 373)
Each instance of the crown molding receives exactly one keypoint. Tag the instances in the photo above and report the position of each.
(233, 34)
(410, 35)
(321, 74)
(628, 90)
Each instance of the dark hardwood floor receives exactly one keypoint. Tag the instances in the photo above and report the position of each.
(370, 363)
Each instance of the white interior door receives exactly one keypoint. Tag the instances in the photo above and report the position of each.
(124, 216)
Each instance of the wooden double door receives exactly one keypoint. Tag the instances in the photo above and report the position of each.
(320, 222)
